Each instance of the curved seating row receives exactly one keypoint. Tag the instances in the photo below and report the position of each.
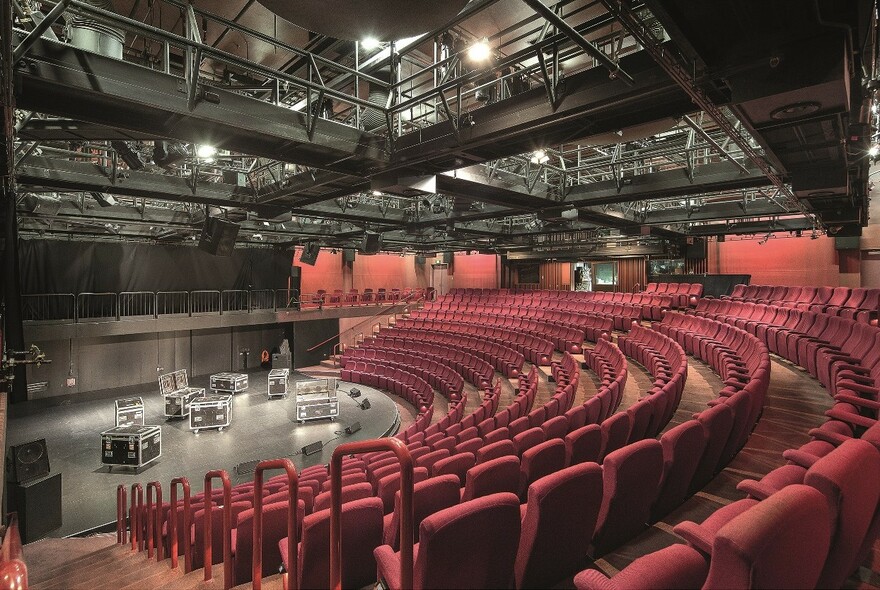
(822, 344)
(623, 314)
(477, 371)
(683, 294)
(666, 361)
(594, 326)
(565, 338)
(859, 303)
(534, 349)
(506, 360)
(401, 382)
(822, 506)
(440, 376)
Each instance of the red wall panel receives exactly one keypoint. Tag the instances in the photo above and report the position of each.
(781, 261)
(388, 271)
(325, 274)
(475, 271)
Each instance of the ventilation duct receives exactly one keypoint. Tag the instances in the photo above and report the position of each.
(95, 36)
(374, 118)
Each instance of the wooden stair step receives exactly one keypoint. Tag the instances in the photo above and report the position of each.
(132, 572)
(46, 557)
(85, 566)
(273, 582)
(195, 580)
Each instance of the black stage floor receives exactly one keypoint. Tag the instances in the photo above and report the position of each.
(261, 429)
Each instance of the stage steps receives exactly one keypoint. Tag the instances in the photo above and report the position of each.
(116, 567)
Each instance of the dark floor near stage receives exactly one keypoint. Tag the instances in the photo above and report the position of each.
(261, 429)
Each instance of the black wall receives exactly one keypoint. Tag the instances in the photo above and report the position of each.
(308, 334)
(54, 266)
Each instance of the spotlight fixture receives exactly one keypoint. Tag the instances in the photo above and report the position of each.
(479, 50)
(814, 235)
(377, 193)
(539, 156)
(370, 43)
(764, 240)
(874, 150)
(205, 152)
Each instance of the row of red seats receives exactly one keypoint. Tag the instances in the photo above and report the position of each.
(683, 294)
(816, 341)
(400, 382)
(506, 360)
(594, 326)
(858, 303)
(440, 375)
(536, 350)
(622, 314)
(834, 478)
(649, 305)
(565, 338)
(474, 369)
(666, 361)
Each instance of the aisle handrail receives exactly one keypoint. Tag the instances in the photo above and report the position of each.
(135, 516)
(121, 514)
(398, 447)
(154, 531)
(292, 512)
(223, 476)
(13, 570)
(187, 524)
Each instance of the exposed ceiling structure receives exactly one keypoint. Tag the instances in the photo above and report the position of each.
(591, 129)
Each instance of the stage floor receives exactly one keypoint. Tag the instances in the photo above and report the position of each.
(261, 429)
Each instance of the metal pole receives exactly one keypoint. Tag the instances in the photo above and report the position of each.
(38, 31)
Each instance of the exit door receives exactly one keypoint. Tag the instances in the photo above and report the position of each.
(440, 278)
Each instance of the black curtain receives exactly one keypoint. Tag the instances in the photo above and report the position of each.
(55, 266)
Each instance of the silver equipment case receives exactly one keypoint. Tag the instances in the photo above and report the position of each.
(210, 411)
(175, 388)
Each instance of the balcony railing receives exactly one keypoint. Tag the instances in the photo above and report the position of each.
(135, 305)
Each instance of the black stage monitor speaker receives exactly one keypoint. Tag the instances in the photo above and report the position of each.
(348, 254)
(312, 448)
(372, 243)
(353, 428)
(355, 392)
(28, 461)
(310, 253)
(218, 236)
(38, 504)
(365, 405)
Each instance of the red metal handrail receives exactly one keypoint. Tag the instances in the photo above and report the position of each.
(406, 505)
(13, 570)
(187, 524)
(135, 517)
(154, 532)
(121, 514)
(292, 511)
(227, 526)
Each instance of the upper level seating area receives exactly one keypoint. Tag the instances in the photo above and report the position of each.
(859, 303)
(339, 298)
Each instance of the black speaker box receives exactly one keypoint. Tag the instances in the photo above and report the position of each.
(38, 504)
(365, 405)
(353, 428)
(696, 250)
(218, 236)
(448, 257)
(28, 461)
(310, 254)
(312, 448)
(348, 254)
(420, 260)
(847, 242)
(372, 243)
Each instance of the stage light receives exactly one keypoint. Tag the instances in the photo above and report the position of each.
(874, 151)
(205, 152)
(377, 193)
(370, 43)
(540, 157)
(479, 50)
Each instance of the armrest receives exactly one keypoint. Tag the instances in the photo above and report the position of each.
(695, 535)
(850, 418)
(756, 489)
(846, 385)
(799, 457)
(858, 401)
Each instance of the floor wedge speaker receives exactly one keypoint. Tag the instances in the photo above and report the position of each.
(28, 461)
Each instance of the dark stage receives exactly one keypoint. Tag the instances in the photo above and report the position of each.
(261, 429)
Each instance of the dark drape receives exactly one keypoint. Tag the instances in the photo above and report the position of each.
(55, 266)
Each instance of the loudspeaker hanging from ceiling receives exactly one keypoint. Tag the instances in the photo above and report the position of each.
(372, 243)
(218, 236)
(310, 253)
